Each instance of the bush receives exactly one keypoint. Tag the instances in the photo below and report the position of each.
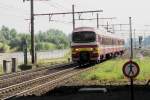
(94, 77)
(4, 47)
(45, 46)
(25, 67)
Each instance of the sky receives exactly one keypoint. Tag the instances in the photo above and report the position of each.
(15, 12)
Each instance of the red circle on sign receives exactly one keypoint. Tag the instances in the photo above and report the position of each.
(126, 65)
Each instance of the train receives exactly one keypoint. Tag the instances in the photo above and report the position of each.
(91, 45)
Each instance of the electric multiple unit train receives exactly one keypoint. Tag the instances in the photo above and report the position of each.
(93, 45)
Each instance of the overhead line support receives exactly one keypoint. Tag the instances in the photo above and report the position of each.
(63, 13)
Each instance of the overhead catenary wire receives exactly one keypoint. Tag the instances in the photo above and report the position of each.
(59, 21)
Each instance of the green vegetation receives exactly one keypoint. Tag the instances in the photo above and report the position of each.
(112, 70)
(25, 67)
(11, 40)
(144, 68)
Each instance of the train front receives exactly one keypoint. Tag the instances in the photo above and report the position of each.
(84, 46)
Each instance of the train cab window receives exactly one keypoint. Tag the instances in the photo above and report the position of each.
(84, 37)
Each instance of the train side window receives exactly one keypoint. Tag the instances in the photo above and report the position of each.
(122, 42)
(99, 39)
(117, 42)
(109, 41)
(113, 42)
(103, 40)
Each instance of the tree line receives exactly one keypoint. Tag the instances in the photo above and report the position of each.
(12, 41)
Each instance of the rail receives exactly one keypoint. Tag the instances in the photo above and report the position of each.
(27, 75)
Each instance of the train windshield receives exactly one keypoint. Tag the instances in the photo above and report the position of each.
(84, 37)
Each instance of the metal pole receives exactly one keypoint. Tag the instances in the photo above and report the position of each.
(97, 20)
(14, 64)
(107, 27)
(131, 40)
(25, 53)
(134, 39)
(36, 57)
(113, 28)
(4, 66)
(73, 17)
(32, 33)
(131, 57)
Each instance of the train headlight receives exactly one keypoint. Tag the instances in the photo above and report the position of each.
(76, 49)
(91, 49)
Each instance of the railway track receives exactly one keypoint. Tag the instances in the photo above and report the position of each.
(14, 78)
(37, 81)
(11, 75)
(40, 84)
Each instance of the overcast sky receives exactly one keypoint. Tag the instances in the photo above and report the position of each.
(14, 13)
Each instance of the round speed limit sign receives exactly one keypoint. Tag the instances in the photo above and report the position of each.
(131, 69)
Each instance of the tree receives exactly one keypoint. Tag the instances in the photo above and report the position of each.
(45, 46)
(52, 39)
(4, 47)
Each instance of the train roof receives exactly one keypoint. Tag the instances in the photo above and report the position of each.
(78, 29)
(100, 31)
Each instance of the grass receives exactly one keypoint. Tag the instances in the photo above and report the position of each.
(52, 61)
(144, 68)
(112, 70)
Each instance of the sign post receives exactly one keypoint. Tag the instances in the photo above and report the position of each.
(131, 70)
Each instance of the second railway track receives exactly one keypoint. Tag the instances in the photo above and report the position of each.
(41, 84)
(19, 77)
(11, 75)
